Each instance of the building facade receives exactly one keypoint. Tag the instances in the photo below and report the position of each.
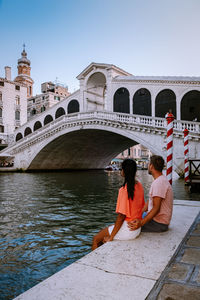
(13, 105)
(52, 93)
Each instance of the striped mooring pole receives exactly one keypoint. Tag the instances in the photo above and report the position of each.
(186, 154)
(170, 119)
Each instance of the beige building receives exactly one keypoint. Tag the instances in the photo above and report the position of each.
(52, 93)
(137, 152)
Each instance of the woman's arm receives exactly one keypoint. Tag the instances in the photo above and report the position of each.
(118, 223)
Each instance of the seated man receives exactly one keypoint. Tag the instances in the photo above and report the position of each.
(160, 204)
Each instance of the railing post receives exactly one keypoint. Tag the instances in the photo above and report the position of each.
(186, 154)
(170, 119)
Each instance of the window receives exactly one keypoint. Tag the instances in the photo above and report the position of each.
(0, 96)
(1, 128)
(1, 83)
(43, 108)
(33, 112)
(17, 87)
(17, 115)
(0, 112)
(129, 152)
(17, 100)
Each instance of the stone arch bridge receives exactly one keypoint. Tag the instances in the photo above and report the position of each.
(89, 140)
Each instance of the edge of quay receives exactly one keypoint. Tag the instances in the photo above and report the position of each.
(134, 269)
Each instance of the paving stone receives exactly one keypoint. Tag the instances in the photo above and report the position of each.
(194, 241)
(191, 256)
(197, 230)
(178, 272)
(171, 291)
(198, 278)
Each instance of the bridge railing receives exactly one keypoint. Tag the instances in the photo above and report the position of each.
(154, 122)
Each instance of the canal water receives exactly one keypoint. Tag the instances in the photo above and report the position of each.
(47, 221)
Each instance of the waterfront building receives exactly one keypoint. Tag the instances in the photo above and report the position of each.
(138, 152)
(13, 105)
(52, 93)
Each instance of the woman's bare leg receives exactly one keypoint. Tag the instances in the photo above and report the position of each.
(98, 238)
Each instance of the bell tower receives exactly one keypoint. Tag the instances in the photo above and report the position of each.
(24, 72)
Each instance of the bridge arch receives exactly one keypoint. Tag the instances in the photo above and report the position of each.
(59, 112)
(48, 119)
(27, 131)
(165, 101)
(190, 106)
(121, 101)
(142, 102)
(19, 136)
(37, 125)
(101, 144)
(73, 106)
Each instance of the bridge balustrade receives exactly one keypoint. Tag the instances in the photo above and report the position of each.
(153, 122)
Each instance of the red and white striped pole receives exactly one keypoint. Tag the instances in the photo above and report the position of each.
(170, 119)
(186, 154)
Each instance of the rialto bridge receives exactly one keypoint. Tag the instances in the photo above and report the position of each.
(112, 111)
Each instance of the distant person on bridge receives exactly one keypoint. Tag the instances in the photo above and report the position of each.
(160, 204)
(130, 203)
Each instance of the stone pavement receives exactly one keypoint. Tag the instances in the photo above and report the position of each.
(148, 267)
(181, 277)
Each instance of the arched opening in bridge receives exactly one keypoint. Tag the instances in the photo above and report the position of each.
(73, 106)
(96, 91)
(27, 131)
(121, 101)
(142, 102)
(60, 112)
(81, 149)
(18, 136)
(165, 101)
(190, 106)
(37, 125)
(48, 119)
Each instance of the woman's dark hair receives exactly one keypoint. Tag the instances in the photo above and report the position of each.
(129, 167)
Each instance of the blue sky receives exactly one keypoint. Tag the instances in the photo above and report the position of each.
(62, 37)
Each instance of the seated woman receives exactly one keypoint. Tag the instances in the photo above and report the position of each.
(130, 204)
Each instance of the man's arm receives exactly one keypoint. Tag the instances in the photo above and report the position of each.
(145, 208)
(153, 212)
(135, 224)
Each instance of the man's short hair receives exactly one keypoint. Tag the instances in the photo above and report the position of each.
(158, 162)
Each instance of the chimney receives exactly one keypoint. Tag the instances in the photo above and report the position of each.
(8, 73)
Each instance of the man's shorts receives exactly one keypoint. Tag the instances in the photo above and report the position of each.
(153, 226)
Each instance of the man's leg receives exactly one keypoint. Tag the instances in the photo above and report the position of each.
(153, 226)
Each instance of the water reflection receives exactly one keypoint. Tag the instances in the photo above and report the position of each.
(47, 221)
